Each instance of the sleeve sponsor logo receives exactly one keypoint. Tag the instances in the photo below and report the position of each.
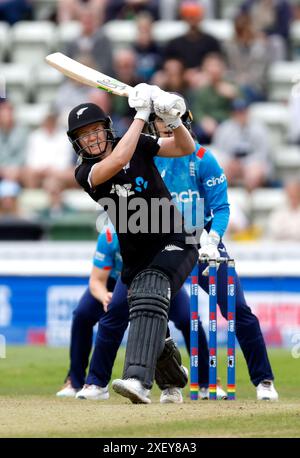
(213, 181)
(99, 256)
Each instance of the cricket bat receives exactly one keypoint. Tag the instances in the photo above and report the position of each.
(89, 76)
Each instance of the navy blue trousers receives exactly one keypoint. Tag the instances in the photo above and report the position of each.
(111, 328)
(248, 330)
(113, 324)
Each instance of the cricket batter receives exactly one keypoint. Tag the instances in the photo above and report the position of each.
(155, 262)
(92, 307)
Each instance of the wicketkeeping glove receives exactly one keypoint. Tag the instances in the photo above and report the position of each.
(209, 248)
(163, 103)
(140, 99)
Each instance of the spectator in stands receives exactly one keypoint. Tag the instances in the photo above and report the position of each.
(192, 47)
(128, 9)
(211, 100)
(245, 148)
(294, 114)
(48, 154)
(171, 77)
(56, 208)
(72, 93)
(105, 101)
(238, 222)
(168, 9)
(92, 42)
(70, 10)
(9, 193)
(12, 11)
(248, 59)
(13, 139)
(14, 224)
(125, 70)
(147, 52)
(272, 18)
(284, 222)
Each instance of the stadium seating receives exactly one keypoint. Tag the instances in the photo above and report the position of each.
(47, 82)
(78, 200)
(66, 33)
(287, 160)
(32, 41)
(229, 8)
(281, 75)
(17, 77)
(31, 115)
(33, 200)
(240, 197)
(275, 116)
(295, 39)
(222, 29)
(120, 32)
(124, 32)
(4, 39)
(44, 8)
(263, 201)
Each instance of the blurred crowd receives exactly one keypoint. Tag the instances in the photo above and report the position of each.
(219, 80)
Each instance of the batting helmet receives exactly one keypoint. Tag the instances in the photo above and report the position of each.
(83, 115)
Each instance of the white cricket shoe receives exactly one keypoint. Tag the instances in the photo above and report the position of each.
(265, 391)
(204, 394)
(171, 396)
(221, 394)
(132, 389)
(67, 391)
(93, 393)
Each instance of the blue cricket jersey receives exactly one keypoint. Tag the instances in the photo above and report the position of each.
(194, 177)
(107, 255)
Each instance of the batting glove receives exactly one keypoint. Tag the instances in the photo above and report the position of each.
(140, 99)
(209, 248)
(164, 103)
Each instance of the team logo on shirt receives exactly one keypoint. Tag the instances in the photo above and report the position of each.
(140, 184)
(81, 111)
(192, 169)
(172, 248)
(122, 190)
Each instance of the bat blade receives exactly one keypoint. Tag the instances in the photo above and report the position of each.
(86, 75)
(89, 76)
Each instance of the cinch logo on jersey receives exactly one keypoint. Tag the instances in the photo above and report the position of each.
(216, 180)
(185, 196)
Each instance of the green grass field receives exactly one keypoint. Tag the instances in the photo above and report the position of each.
(30, 376)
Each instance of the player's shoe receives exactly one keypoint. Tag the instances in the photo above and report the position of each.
(93, 393)
(203, 394)
(171, 396)
(265, 391)
(67, 391)
(221, 394)
(132, 389)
